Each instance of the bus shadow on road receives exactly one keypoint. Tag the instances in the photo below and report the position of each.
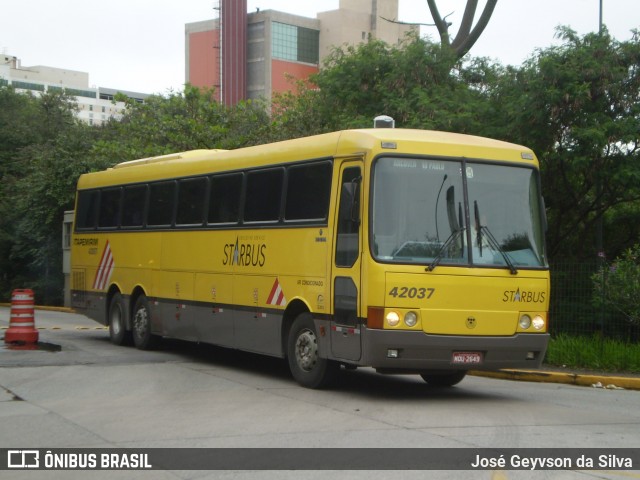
(367, 382)
(227, 358)
(364, 382)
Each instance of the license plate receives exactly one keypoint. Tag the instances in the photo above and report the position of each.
(466, 358)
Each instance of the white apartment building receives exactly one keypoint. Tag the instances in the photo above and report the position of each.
(95, 104)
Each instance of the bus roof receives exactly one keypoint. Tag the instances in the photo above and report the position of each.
(370, 142)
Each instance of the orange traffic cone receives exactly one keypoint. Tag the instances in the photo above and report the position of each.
(22, 328)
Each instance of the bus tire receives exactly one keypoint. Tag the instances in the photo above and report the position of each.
(307, 368)
(117, 324)
(141, 323)
(448, 379)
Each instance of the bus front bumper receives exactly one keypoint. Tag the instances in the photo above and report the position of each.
(406, 351)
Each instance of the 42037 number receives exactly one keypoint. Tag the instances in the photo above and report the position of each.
(412, 292)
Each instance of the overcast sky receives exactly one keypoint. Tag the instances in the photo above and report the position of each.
(138, 45)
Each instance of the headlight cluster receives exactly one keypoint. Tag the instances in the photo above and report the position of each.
(410, 318)
(526, 322)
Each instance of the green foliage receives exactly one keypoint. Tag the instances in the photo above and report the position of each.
(179, 122)
(578, 106)
(18, 119)
(419, 83)
(618, 286)
(593, 352)
(38, 177)
(295, 115)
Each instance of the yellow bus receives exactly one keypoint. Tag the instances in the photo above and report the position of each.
(408, 251)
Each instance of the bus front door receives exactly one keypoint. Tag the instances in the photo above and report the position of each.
(345, 328)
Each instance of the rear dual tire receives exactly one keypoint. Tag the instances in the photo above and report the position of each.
(118, 332)
(141, 323)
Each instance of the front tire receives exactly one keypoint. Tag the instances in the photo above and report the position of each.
(307, 367)
(117, 323)
(448, 379)
(141, 322)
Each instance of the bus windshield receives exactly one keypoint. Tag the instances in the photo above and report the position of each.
(433, 211)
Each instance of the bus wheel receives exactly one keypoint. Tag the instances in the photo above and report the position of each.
(444, 379)
(307, 368)
(142, 336)
(117, 327)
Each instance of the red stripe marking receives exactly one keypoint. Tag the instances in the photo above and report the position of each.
(273, 291)
(107, 271)
(96, 281)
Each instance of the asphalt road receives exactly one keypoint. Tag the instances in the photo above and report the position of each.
(92, 394)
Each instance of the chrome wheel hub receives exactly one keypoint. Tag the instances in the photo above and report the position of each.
(306, 350)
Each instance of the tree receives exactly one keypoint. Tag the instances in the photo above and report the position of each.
(578, 106)
(418, 82)
(299, 114)
(177, 122)
(468, 34)
(40, 155)
(40, 198)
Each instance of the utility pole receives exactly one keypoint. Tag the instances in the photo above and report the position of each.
(600, 226)
(600, 222)
(600, 230)
(600, 22)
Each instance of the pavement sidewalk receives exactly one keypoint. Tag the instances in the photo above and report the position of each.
(611, 381)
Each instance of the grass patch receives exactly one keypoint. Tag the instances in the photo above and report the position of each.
(595, 352)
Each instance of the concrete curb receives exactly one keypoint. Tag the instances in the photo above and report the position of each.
(585, 380)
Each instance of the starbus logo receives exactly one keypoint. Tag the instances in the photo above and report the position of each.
(514, 296)
(244, 254)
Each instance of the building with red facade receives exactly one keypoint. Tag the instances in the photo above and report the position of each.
(253, 55)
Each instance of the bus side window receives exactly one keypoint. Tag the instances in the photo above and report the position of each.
(110, 200)
(191, 197)
(263, 195)
(161, 203)
(224, 198)
(347, 244)
(308, 192)
(87, 213)
(133, 205)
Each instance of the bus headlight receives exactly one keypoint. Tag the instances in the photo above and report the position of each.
(538, 322)
(410, 319)
(393, 319)
(525, 321)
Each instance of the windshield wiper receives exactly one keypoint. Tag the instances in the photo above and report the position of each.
(452, 238)
(493, 242)
(476, 212)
